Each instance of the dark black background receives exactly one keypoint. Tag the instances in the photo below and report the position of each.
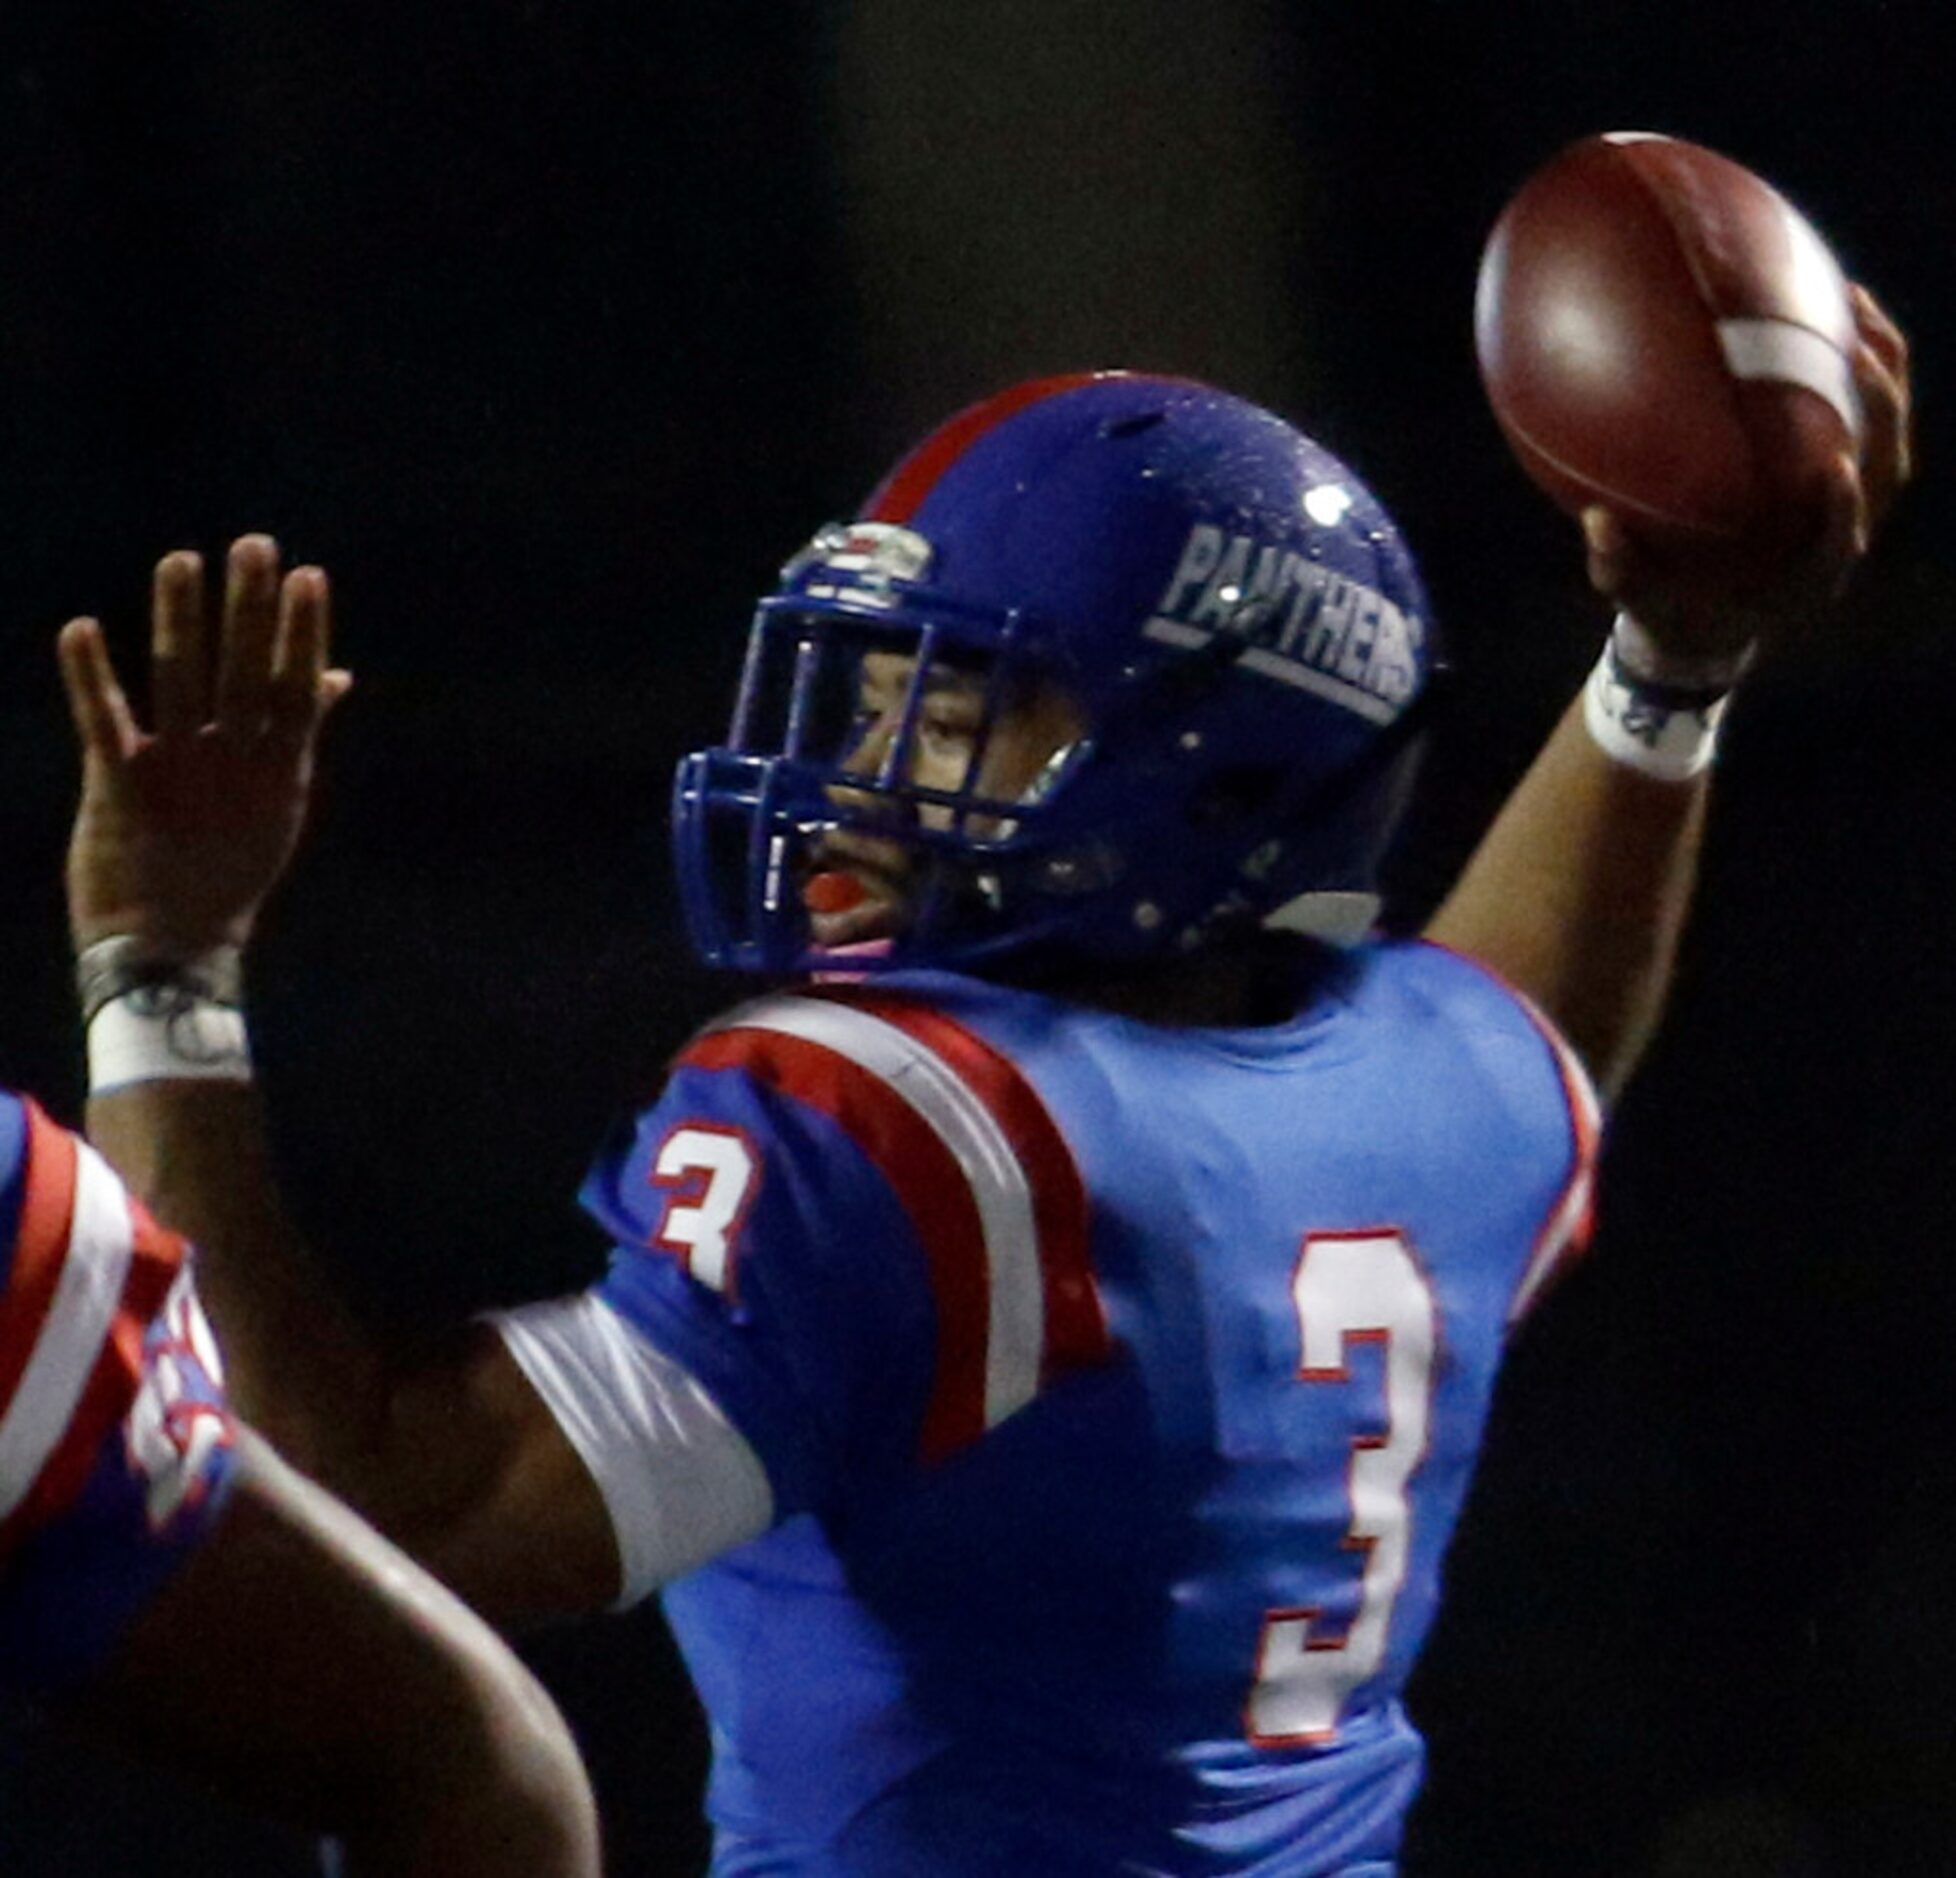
(551, 329)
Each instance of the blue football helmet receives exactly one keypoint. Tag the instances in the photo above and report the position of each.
(1236, 618)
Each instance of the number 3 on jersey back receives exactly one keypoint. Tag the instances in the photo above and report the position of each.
(1352, 1287)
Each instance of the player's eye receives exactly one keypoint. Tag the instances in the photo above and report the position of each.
(947, 730)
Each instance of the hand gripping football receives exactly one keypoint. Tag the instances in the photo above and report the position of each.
(1661, 332)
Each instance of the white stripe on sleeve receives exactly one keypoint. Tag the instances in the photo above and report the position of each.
(86, 1298)
(921, 1079)
(679, 1480)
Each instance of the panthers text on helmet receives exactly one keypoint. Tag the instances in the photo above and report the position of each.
(1314, 628)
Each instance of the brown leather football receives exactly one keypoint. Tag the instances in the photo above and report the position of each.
(1661, 332)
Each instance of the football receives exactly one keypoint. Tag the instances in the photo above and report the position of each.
(1661, 332)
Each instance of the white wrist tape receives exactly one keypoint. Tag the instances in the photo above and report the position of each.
(162, 1034)
(1666, 726)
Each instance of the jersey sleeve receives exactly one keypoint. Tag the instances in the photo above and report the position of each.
(845, 1222)
(1553, 1107)
(115, 1438)
(681, 1484)
(1569, 1222)
(759, 1247)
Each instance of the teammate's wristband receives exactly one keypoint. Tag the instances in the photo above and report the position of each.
(153, 1016)
(1656, 711)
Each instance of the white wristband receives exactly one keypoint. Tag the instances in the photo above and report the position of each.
(1659, 726)
(147, 1036)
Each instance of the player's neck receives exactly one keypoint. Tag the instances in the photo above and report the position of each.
(1259, 978)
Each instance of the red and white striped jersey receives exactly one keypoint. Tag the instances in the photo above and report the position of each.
(114, 1437)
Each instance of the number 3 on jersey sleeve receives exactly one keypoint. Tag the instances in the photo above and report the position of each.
(1364, 1287)
(708, 1170)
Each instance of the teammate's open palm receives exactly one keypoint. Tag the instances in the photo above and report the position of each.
(185, 826)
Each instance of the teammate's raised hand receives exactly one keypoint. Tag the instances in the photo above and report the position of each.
(184, 827)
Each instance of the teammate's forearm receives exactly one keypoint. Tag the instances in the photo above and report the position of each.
(299, 1665)
(1579, 892)
(471, 1769)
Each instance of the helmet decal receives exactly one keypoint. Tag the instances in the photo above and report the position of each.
(1312, 627)
(866, 559)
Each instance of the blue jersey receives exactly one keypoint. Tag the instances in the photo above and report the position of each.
(115, 1441)
(1119, 1387)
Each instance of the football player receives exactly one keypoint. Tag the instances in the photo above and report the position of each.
(170, 1586)
(1047, 1345)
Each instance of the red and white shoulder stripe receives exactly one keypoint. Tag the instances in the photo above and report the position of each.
(1571, 1220)
(90, 1269)
(969, 1150)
